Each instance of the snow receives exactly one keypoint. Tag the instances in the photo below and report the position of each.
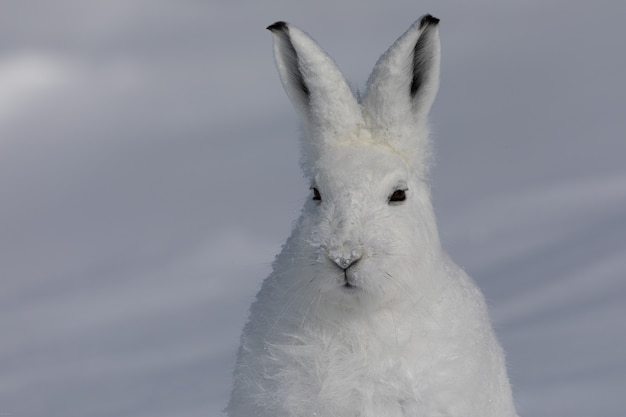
(149, 173)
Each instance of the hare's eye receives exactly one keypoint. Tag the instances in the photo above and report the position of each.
(316, 194)
(397, 196)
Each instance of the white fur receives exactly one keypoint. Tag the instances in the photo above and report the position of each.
(410, 335)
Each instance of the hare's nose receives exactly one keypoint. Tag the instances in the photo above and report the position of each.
(345, 260)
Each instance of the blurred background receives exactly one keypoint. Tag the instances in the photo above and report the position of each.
(149, 174)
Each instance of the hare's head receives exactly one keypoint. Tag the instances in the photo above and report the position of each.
(369, 223)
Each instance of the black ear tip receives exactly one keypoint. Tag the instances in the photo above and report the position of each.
(427, 20)
(278, 26)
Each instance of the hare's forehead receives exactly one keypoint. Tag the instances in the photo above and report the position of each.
(360, 166)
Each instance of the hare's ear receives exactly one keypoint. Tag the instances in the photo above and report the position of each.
(405, 79)
(313, 82)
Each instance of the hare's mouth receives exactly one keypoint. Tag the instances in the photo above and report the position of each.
(348, 282)
(349, 287)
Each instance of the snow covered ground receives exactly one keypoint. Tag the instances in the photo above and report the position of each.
(148, 175)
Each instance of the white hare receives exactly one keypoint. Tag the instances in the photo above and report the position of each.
(363, 314)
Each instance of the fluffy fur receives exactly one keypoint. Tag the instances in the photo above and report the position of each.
(363, 314)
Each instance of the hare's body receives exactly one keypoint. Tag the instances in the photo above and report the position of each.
(363, 314)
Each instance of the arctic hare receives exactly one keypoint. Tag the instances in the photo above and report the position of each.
(364, 315)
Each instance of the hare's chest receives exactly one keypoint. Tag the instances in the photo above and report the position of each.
(341, 376)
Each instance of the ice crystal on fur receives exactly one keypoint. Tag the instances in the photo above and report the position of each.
(363, 314)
